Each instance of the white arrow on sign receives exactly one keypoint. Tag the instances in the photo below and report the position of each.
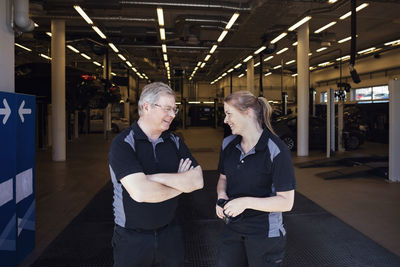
(22, 110)
(6, 111)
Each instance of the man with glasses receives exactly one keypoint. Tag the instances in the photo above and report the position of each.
(150, 167)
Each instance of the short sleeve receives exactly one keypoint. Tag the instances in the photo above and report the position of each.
(283, 172)
(184, 153)
(123, 159)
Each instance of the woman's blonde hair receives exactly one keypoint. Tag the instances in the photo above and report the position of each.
(242, 100)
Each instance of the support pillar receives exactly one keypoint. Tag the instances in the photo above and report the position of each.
(250, 76)
(58, 89)
(7, 62)
(394, 130)
(303, 85)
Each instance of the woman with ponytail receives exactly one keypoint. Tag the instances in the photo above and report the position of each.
(255, 186)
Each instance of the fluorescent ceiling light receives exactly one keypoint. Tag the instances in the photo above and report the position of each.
(160, 15)
(280, 36)
(194, 102)
(238, 65)
(165, 57)
(162, 34)
(366, 50)
(230, 70)
(49, 34)
(83, 14)
(222, 36)
(129, 64)
(23, 47)
(207, 58)
(232, 20)
(164, 48)
(294, 75)
(321, 49)
(35, 24)
(166, 64)
(113, 74)
(348, 14)
(195, 69)
(277, 67)
(96, 63)
(113, 47)
(199, 63)
(343, 58)
(260, 49)
(325, 64)
(312, 68)
(325, 27)
(247, 58)
(290, 62)
(134, 69)
(122, 57)
(202, 65)
(298, 24)
(45, 56)
(310, 54)
(267, 74)
(282, 50)
(213, 49)
(73, 48)
(224, 74)
(241, 75)
(394, 43)
(344, 40)
(258, 63)
(295, 43)
(269, 58)
(332, 1)
(97, 30)
(86, 56)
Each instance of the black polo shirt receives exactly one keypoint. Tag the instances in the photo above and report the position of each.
(266, 169)
(133, 152)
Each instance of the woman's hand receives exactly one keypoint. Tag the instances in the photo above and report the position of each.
(235, 206)
(219, 211)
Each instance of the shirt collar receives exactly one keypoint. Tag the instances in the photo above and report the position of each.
(262, 143)
(140, 135)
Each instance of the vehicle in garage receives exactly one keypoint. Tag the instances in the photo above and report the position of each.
(286, 129)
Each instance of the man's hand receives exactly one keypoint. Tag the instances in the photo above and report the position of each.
(185, 165)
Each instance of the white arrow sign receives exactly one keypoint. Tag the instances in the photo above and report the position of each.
(22, 110)
(6, 111)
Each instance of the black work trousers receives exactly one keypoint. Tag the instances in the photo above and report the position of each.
(237, 250)
(154, 248)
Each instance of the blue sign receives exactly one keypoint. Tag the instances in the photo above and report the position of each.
(17, 169)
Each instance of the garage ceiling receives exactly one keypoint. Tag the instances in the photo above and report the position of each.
(193, 27)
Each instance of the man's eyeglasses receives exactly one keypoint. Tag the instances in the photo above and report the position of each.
(168, 109)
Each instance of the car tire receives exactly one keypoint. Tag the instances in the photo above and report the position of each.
(352, 142)
(114, 128)
(289, 141)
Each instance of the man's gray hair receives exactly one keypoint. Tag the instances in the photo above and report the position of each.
(151, 93)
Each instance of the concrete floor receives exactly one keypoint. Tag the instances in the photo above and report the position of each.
(369, 204)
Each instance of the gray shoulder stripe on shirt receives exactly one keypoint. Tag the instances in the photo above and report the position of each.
(175, 138)
(273, 149)
(227, 140)
(130, 140)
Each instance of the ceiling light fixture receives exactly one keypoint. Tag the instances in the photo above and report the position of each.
(238, 66)
(267, 74)
(257, 64)
(332, 1)
(202, 65)
(268, 58)
(207, 58)
(362, 6)
(232, 20)
(113, 47)
(213, 49)
(83, 14)
(45, 56)
(344, 40)
(282, 51)
(280, 36)
(86, 56)
(230, 70)
(393, 43)
(295, 43)
(49, 34)
(129, 64)
(164, 48)
(122, 57)
(162, 34)
(366, 50)
(260, 49)
(325, 27)
(290, 62)
(160, 15)
(165, 57)
(321, 49)
(241, 75)
(100, 33)
(23, 47)
(299, 23)
(277, 67)
(73, 48)
(294, 75)
(222, 36)
(247, 58)
(96, 63)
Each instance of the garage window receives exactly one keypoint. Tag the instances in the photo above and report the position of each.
(372, 94)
